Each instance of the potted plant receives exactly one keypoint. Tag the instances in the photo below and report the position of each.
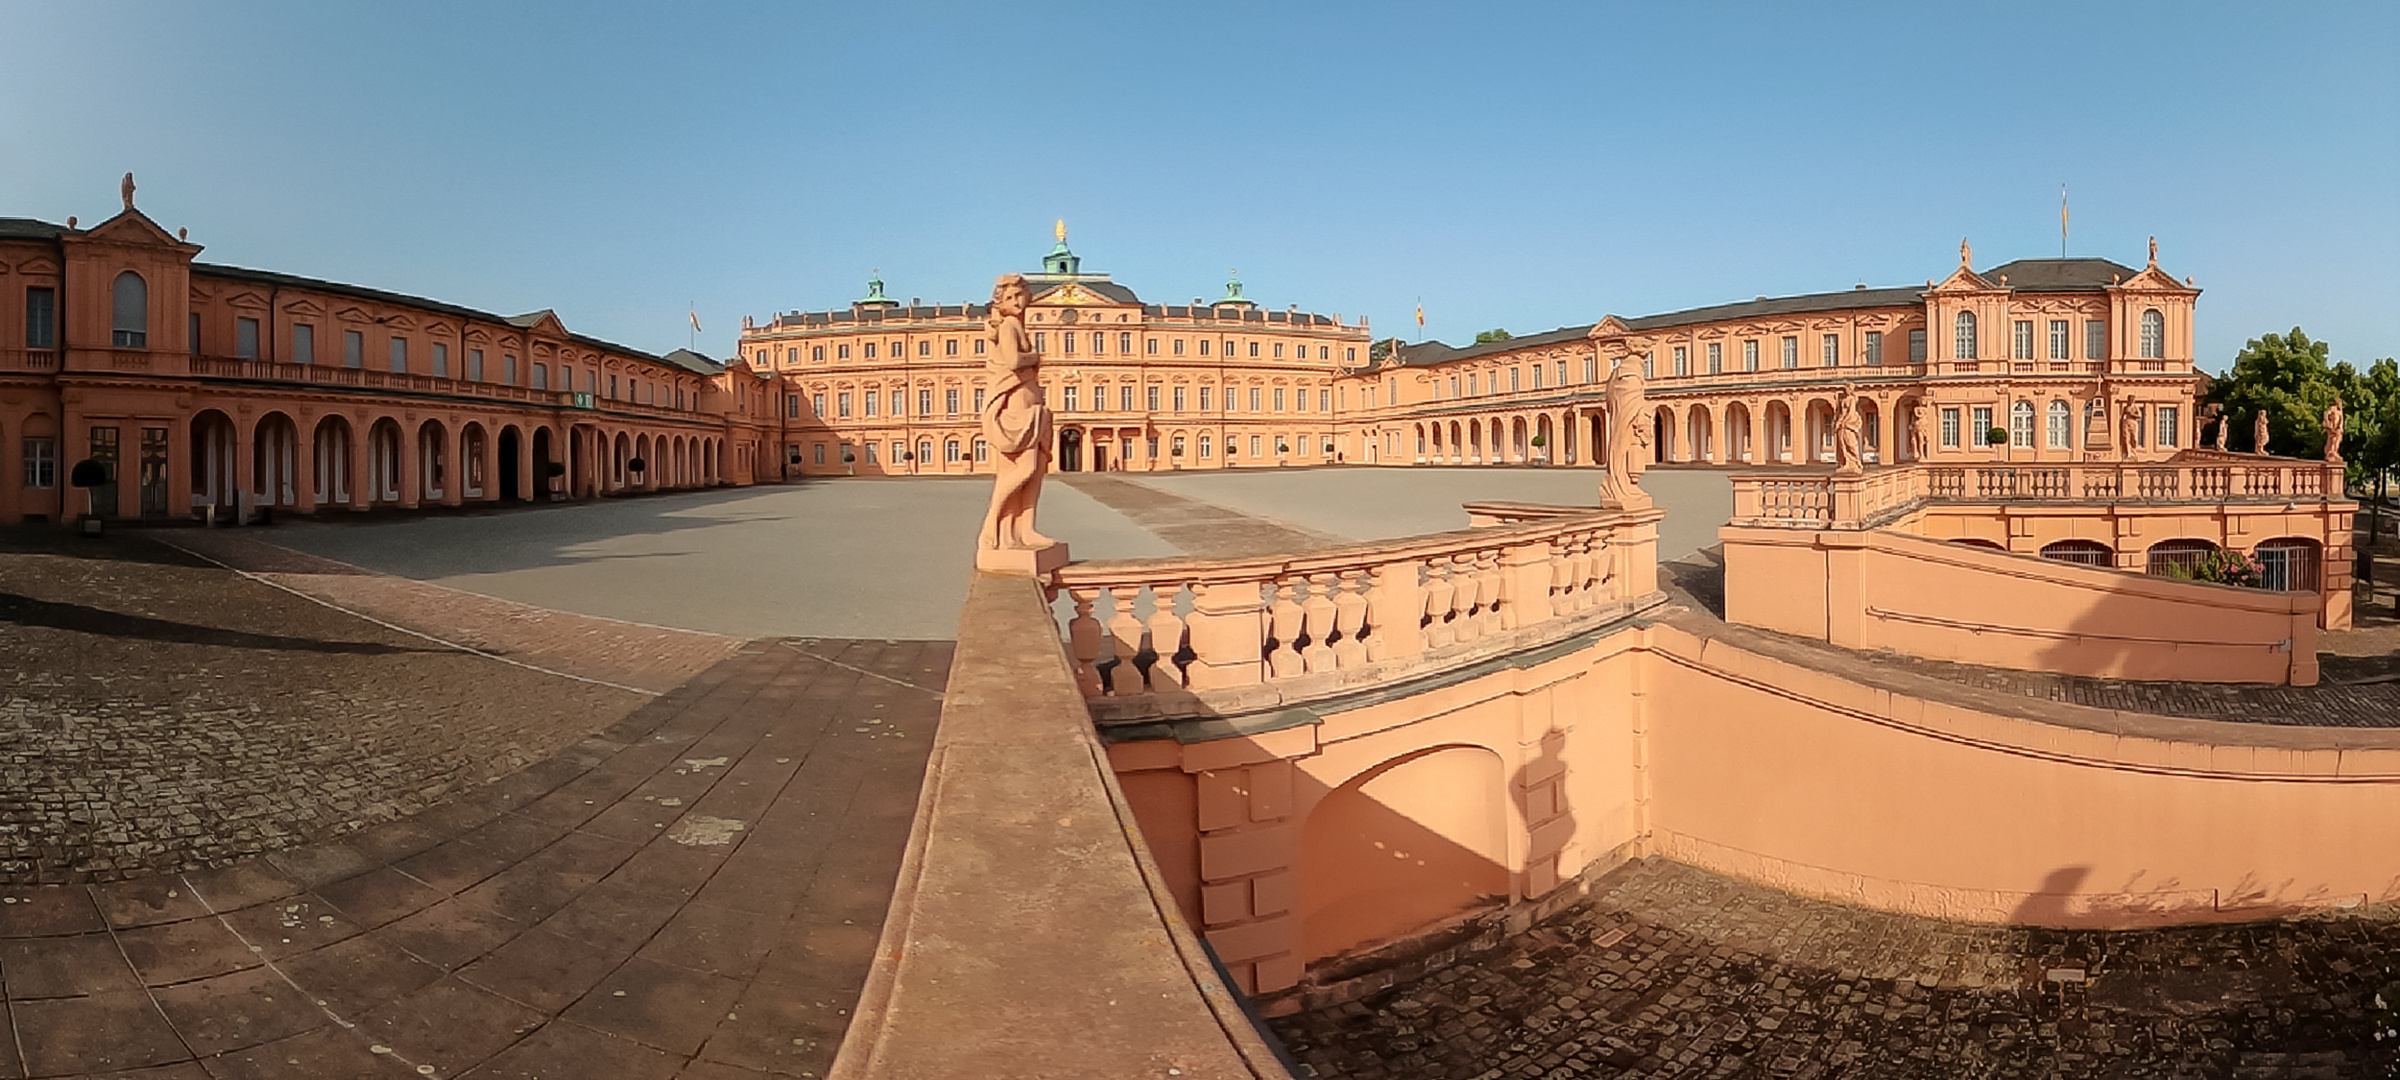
(636, 466)
(1539, 441)
(1995, 436)
(88, 474)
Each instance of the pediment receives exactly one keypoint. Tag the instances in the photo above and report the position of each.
(399, 322)
(37, 266)
(247, 299)
(135, 228)
(544, 321)
(354, 314)
(1071, 294)
(2153, 279)
(1965, 279)
(437, 327)
(478, 335)
(303, 307)
(1608, 326)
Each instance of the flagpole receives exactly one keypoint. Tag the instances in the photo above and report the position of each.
(2062, 221)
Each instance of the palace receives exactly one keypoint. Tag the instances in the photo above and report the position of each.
(209, 390)
(2037, 360)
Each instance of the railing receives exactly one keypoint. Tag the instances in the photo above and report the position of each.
(32, 360)
(1185, 626)
(325, 375)
(1821, 501)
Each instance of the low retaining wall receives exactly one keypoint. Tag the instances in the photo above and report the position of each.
(1879, 589)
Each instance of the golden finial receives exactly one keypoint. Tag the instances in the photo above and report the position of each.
(1062, 230)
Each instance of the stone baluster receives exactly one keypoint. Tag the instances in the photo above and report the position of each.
(1466, 597)
(1166, 638)
(1227, 628)
(1525, 577)
(1441, 588)
(1083, 638)
(1395, 610)
(1284, 622)
(1318, 613)
(1492, 588)
(1349, 615)
(1125, 634)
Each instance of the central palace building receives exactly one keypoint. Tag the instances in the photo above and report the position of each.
(205, 390)
(2037, 360)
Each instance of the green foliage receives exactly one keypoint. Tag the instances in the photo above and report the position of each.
(1995, 436)
(2291, 379)
(1492, 335)
(1380, 351)
(2219, 567)
(1541, 440)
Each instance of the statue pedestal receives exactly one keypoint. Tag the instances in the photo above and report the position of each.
(1021, 562)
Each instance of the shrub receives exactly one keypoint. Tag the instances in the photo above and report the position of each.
(2219, 567)
(88, 473)
(1995, 436)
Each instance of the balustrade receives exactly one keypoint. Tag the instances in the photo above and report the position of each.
(322, 375)
(1854, 502)
(1149, 627)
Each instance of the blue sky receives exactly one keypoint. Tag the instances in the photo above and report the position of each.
(1523, 166)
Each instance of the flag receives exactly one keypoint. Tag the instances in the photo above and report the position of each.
(2062, 221)
(695, 317)
(1420, 316)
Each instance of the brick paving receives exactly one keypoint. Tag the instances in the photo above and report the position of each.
(1197, 526)
(694, 891)
(1700, 581)
(1666, 971)
(158, 714)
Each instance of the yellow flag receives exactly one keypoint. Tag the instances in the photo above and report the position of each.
(1420, 316)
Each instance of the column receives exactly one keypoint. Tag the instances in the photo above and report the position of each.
(304, 465)
(245, 471)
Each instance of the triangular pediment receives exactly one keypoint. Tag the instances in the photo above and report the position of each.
(303, 307)
(37, 266)
(247, 300)
(544, 321)
(353, 314)
(1608, 326)
(1965, 279)
(134, 227)
(1073, 294)
(2153, 279)
(400, 322)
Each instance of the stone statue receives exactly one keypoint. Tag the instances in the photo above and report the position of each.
(1015, 423)
(1847, 460)
(2224, 426)
(2333, 424)
(1920, 432)
(1628, 442)
(126, 191)
(2129, 428)
(2258, 433)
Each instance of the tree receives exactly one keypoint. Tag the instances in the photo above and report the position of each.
(1492, 335)
(1380, 351)
(2291, 379)
(2371, 442)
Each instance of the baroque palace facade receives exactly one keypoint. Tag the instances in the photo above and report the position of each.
(217, 390)
(2037, 360)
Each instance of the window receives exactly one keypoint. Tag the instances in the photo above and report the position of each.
(2062, 426)
(2095, 340)
(1324, 400)
(1537, 376)
(1179, 399)
(950, 451)
(870, 402)
(441, 361)
(820, 453)
(1204, 447)
(1648, 367)
(1254, 351)
(1153, 448)
(129, 306)
(1350, 356)
(925, 402)
(475, 368)
(1150, 401)
(1829, 350)
(1562, 373)
(841, 404)
(1716, 357)
(41, 463)
(1178, 346)
(870, 449)
(1177, 446)
(1255, 395)
(950, 347)
(399, 353)
(1962, 337)
(899, 349)
(2058, 340)
(842, 352)
(304, 344)
(1125, 347)
(2170, 425)
(1066, 341)
(354, 348)
(791, 406)
(1150, 346)
(816, 405)
(1749, 356)
(2020, 416)
(1204, 399)
(1204, 347)
(245, 338)
(41, 318)
(925, 347)
(2020, 339)
(1950, 427)
(1983, 423)
(1683, 362)
(508, 370)
(1254, 446)
(1874, 348)
(950, 401)
(191, 331)
(868, 349)
(1067, 399)
(2154, 335)
(541, 376)
(791, 356)
(1916, 346)
(816, 354)
(979, 344)
(1278, 398)
(1791, 352)
(979, 409)
(1512, 379)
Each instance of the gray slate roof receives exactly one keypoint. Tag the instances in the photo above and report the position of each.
(270, 277)
(17, 228)
(2059, 275)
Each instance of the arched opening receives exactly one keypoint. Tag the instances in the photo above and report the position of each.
(2289, 564)
(1977, 542)
(1070, 450)
(275, 460)
(383, 462)
(1546, 436)
(1963, 336)
(434, 466)
(1520, 447)
(1817, 427)
(1779, 431)
(1699, 434)
(2081, 552)
(638, 467)
(1415, 840)
(474, 450)
(1662, 435)
(2154, 334)
(2178, 558)
(129, 311)
(333, 461)
(215, 458)
(512, 477)
(620, 458)
(1737, 433)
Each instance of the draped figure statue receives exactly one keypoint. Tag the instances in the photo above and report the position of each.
(1015, 423)
(1847, 458)
(1628, 442)
(2258, 433)
(2333, 425)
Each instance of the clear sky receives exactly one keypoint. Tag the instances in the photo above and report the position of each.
(1520, 166)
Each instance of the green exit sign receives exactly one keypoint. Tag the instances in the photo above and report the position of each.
(583, 399)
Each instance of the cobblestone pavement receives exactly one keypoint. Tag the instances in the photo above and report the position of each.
(1701, 580)
(161, 714)
(1666, 971)
(1197, 526)
(696, 891)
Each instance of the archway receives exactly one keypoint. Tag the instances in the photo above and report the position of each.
(433, 461)
(215, 458)
(1414, 840)
(333, 461)
(1699, 434)
(511, 474)
(2177, 558)
(383, 462)
(1817, 426)
(620, 453)
(1662, 435)
(1737, 433)
(1546, 438)
(545, 455)
(1779, 431)
(2080, 552)
(275, 460)
(474, 455)
(1070, 450)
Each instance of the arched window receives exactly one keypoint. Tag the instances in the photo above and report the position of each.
(2176, 558)
(1963, 341)
(2287, 564)
(2154, 334)
(2084, 552)
(2020, 423)
(2062, 426)
(129, 297)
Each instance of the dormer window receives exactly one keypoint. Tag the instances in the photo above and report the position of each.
(1963, 343)
(129, 300)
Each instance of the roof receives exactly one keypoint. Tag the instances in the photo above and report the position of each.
(1114, 292)
(694, 362)
(2060, 275)
(17, 228)
(1433, 352)
(1766, 307)
(270, 277)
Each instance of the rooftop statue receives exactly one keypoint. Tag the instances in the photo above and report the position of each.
(2333, 425)
(126, 190)
(2224, 427)
(1847, 460)
(1628, 442)
(2258, 433)
(1017, 425)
